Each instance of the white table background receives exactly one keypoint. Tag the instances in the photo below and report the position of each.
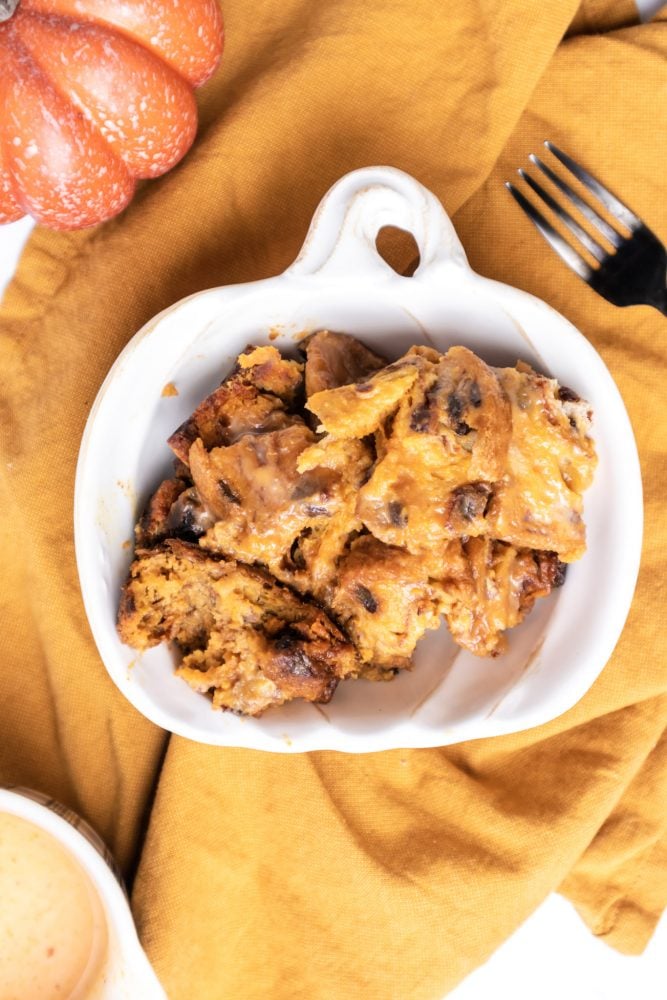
(553, 955)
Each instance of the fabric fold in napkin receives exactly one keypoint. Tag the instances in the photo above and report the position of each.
(326, 876)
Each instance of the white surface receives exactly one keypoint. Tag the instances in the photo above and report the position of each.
(12, 238)
(647, 8)
(552, 956)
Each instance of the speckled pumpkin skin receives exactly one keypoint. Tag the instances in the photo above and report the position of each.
(93, 95)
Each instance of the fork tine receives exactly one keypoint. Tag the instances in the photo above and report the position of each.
(610, 201)
(556, 241)
(593, 248)
(603, 227)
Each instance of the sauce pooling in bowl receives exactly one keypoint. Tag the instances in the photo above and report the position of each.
(53, 933)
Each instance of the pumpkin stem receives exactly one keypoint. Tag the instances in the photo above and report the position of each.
(7, 8)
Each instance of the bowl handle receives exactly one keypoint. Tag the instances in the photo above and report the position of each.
(342, 234)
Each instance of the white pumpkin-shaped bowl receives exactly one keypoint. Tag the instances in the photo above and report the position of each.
(339, 282)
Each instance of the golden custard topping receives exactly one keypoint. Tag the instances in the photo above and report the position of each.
(446, 440)
(538, 502)
(325, 513)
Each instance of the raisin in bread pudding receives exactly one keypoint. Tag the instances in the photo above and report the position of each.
(440, 442)
(325, 513)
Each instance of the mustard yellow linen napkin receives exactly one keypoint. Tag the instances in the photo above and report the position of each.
(325, 876)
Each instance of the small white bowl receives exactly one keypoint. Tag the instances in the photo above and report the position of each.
(339, 282)
(125, 972)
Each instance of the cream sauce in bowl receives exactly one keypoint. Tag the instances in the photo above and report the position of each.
(66, 928)
(53, 931)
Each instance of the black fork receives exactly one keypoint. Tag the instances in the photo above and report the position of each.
(634, 272)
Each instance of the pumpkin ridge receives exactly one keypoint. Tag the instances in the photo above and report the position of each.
(14, 209)
(67, 20)
(122, 185)
(28, 54)
(8, 187)
(15, 47)
(148, 135)
(195, 76)
(107, 26)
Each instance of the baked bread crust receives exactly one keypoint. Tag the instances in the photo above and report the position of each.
(335, 359)
(252, 399)
(245, 638)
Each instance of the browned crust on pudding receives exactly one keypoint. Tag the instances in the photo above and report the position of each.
(335, 359)
(253, 399)
(244, 638)
(152, 526)
(497, 588)
(280, 492)
(386, 602)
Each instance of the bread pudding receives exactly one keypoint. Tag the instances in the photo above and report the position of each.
(324, 513)
(247, 638)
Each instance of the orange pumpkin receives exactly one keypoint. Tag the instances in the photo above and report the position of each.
(93, 95)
